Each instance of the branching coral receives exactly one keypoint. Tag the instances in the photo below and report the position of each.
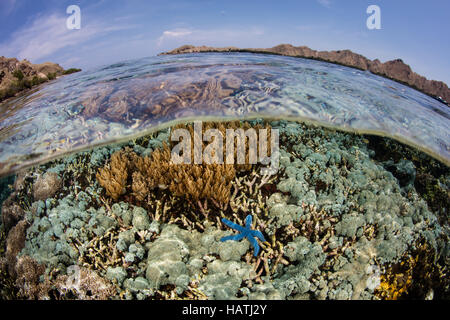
(195, 181)
(113, 177)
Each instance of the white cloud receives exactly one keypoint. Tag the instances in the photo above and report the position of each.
(211, 36)
(47, 34)
(170, 34)
(176, 33)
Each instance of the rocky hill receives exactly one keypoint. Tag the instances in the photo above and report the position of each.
(395, 69)
(16, 76)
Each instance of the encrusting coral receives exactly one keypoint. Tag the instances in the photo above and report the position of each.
(196, 181)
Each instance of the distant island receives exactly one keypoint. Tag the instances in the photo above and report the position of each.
(395, 70)
(16, 76)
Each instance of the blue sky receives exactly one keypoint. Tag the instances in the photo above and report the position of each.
(113, 30)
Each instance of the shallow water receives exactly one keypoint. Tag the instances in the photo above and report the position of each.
(132, 98)
(346, 216)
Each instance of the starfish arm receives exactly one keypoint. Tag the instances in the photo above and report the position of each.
(235, 237)
(259, 235)
(233, 225)
(254, 244)
(248, 221)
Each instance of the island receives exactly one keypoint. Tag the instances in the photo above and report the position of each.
(395, 70)
(17, 76)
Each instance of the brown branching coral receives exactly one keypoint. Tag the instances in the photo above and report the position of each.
(113, 177)
(11, 212)
(203, 181)
(139, 186)
(195, 181)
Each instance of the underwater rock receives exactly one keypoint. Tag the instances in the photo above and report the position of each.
(46, 186)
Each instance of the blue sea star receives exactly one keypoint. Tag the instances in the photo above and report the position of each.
(245, 232)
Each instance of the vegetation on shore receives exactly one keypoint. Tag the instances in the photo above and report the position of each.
(22, 82)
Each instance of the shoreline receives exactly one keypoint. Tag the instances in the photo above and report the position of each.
(360, 63)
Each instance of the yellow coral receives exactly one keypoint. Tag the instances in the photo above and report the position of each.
(397, 279)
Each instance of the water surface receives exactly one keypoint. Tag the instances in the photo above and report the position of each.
(131, 98)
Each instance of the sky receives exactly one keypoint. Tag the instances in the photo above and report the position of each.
(116, 30)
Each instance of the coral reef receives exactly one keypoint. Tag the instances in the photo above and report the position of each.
(341, 222)
(416, 276)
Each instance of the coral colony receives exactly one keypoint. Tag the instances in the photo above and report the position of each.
(245, 232)
(256, 146)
